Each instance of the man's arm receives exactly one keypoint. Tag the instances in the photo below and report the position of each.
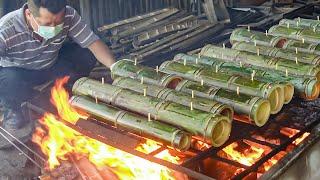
(102, 53)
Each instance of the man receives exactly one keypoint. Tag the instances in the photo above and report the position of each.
(30, 40)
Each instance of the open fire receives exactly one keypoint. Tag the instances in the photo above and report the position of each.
(61, 143)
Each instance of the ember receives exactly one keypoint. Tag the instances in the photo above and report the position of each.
(61, 143)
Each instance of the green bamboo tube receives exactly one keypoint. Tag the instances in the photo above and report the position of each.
(305, 87)
(255, 37)
(127, 68)
(305, 35)
(280, 53)
(175, 96)
(269, 91)
(301, 23)
(249, 109)
(134, 123)
(261, 39)
(208, 127)
(264, 62)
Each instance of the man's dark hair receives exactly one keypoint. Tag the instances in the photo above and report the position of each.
(54, 6)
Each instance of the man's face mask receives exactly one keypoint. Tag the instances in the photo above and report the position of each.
(48, 32)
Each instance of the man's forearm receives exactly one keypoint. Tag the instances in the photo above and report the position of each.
(102, 53)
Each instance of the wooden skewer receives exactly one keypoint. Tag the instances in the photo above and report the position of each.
(238, 91)
(141, 80)
(202, 83)
(303, 40)
(255, 43)
(102, 80)
(196, 60)
(258, 51)
(276, 66)
(249, 28)
(299, 19)
(296, 50)
(149, 117)
(314, 29)
(191, 106)
(145, 92)
(224, 45)
(240, 64)
(288, 25)
(252, 75)
(266, 32)
(287, 72)
(217, 68)
(296, 60)
(135, 61)
(96, 98)
(184, 62)
(192, 94)
(157, 69)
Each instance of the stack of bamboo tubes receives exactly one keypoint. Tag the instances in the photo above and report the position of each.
(159, 32)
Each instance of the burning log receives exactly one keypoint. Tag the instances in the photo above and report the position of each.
(256, 109)
(269, 91)
(305, 87)
(128, 68)
(263, 62)
(280, 53)
(134, 123)
(303, 35)
(175, 96)
(208, 127)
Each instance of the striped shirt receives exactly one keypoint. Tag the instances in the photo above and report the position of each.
(19, 48)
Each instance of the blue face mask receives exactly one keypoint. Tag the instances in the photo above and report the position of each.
(48, 32)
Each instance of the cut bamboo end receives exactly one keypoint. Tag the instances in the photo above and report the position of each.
(260, 112)
(171, 82)
(274, 99)
(226, 111)
(288, 93)
(312, 90)
(218, 130)
(181, 141)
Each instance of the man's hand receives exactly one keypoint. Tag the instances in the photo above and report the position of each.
(102, 53)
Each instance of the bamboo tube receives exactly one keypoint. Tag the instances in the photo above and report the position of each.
(305, 87)
(134, 123)
(242, 35)
(249, 109)
(279, 53)
(264, 62)
(301, 23)
(287, 89)
(255, 37)
(210, 128)
(304, 35)
(175, 96)
(269, 91)
(126, 68)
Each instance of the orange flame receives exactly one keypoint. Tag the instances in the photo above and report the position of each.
(248, 157)
(58, 142)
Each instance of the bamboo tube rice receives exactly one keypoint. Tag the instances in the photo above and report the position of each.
(134, 123)
(270, 91)
(232, 68)
(280, 53)
(249, 109)
(185, 99)
(304, 35)
(256, 38)
(301, 23)
(263, 39)
(285, 66)
(207, 127)
(128, 68)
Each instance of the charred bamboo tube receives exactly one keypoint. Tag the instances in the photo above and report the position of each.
(175, 96)
(210, 128)
(264, 62)
(269, 91)
(248, 108)
(280, 53)
(232, 68)
(304, 35)
(134, 123)
(262, 39)
(127, 68)
(257, 38)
